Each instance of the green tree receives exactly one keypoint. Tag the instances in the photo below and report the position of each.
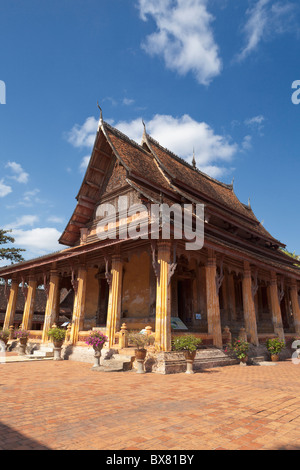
(10, 253)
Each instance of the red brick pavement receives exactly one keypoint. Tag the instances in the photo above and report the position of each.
(66, 405)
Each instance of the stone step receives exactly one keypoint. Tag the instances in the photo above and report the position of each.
(115, 364)
(122, 357)
(41, 353)
(257, 359)
(46, 348)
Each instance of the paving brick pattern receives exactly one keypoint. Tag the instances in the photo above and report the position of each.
(65, 405)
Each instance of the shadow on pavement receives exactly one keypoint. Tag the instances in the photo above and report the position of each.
(10, 439)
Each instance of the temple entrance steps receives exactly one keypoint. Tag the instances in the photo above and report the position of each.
(114, 360)
(43, 351)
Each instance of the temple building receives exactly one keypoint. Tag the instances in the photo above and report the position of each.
(240, 278)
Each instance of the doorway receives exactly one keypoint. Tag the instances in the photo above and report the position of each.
(185, 301)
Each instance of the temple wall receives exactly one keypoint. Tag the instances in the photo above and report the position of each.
(91, 302)
(136, 287)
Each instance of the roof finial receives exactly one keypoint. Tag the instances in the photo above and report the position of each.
(101, 116)
(249, 204)
(194, 160)
(232, 181)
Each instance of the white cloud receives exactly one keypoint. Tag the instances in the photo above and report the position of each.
(256, 123)
(4, 189)
(127, 101)
(83, 136)
(37, 241)
(84, 163)
(264, 20)
(23, 221)
(184, 37)
(55, 220)
(19, 174)
(255, 120)
(247, 142)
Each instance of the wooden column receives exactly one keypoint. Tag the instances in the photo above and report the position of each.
(163, 298)
(212, 302)
(51, 304)
(115, 299)
(249, 306)
(275, 307)
(29, 305)
(79, 304)
(11, 306)
(295, 305)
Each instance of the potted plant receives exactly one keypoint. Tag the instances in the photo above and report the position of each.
(4, 335)
(22, 336)
(188, 344)
(96, 339)
(140, 340)
(58, 336)
(274, 347)
(240, 349)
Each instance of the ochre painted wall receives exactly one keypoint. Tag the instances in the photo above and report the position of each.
(136, 287)
(91, 301)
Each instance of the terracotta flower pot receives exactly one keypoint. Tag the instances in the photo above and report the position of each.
(243, 361)
(140, 356)
(57, 350)
(23, 340)
(274, 357)
(22, 346)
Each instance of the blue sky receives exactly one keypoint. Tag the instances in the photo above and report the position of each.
(212, 75)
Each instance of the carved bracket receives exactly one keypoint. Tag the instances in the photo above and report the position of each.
(220, 277)
(172, 266)
(155, 264)
(281, 291)
(74, 281)
(24, 289)
(108, 274)
(254, 287)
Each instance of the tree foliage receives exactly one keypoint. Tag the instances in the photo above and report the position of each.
(10, 253)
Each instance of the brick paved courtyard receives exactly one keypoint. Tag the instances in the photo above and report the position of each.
(66, 405)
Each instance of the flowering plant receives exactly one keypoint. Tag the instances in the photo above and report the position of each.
(239, 347)
(21, 333)
(275, 346)
(96, 339)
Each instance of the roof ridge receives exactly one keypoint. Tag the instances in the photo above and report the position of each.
(125, 137)
(184, 162)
